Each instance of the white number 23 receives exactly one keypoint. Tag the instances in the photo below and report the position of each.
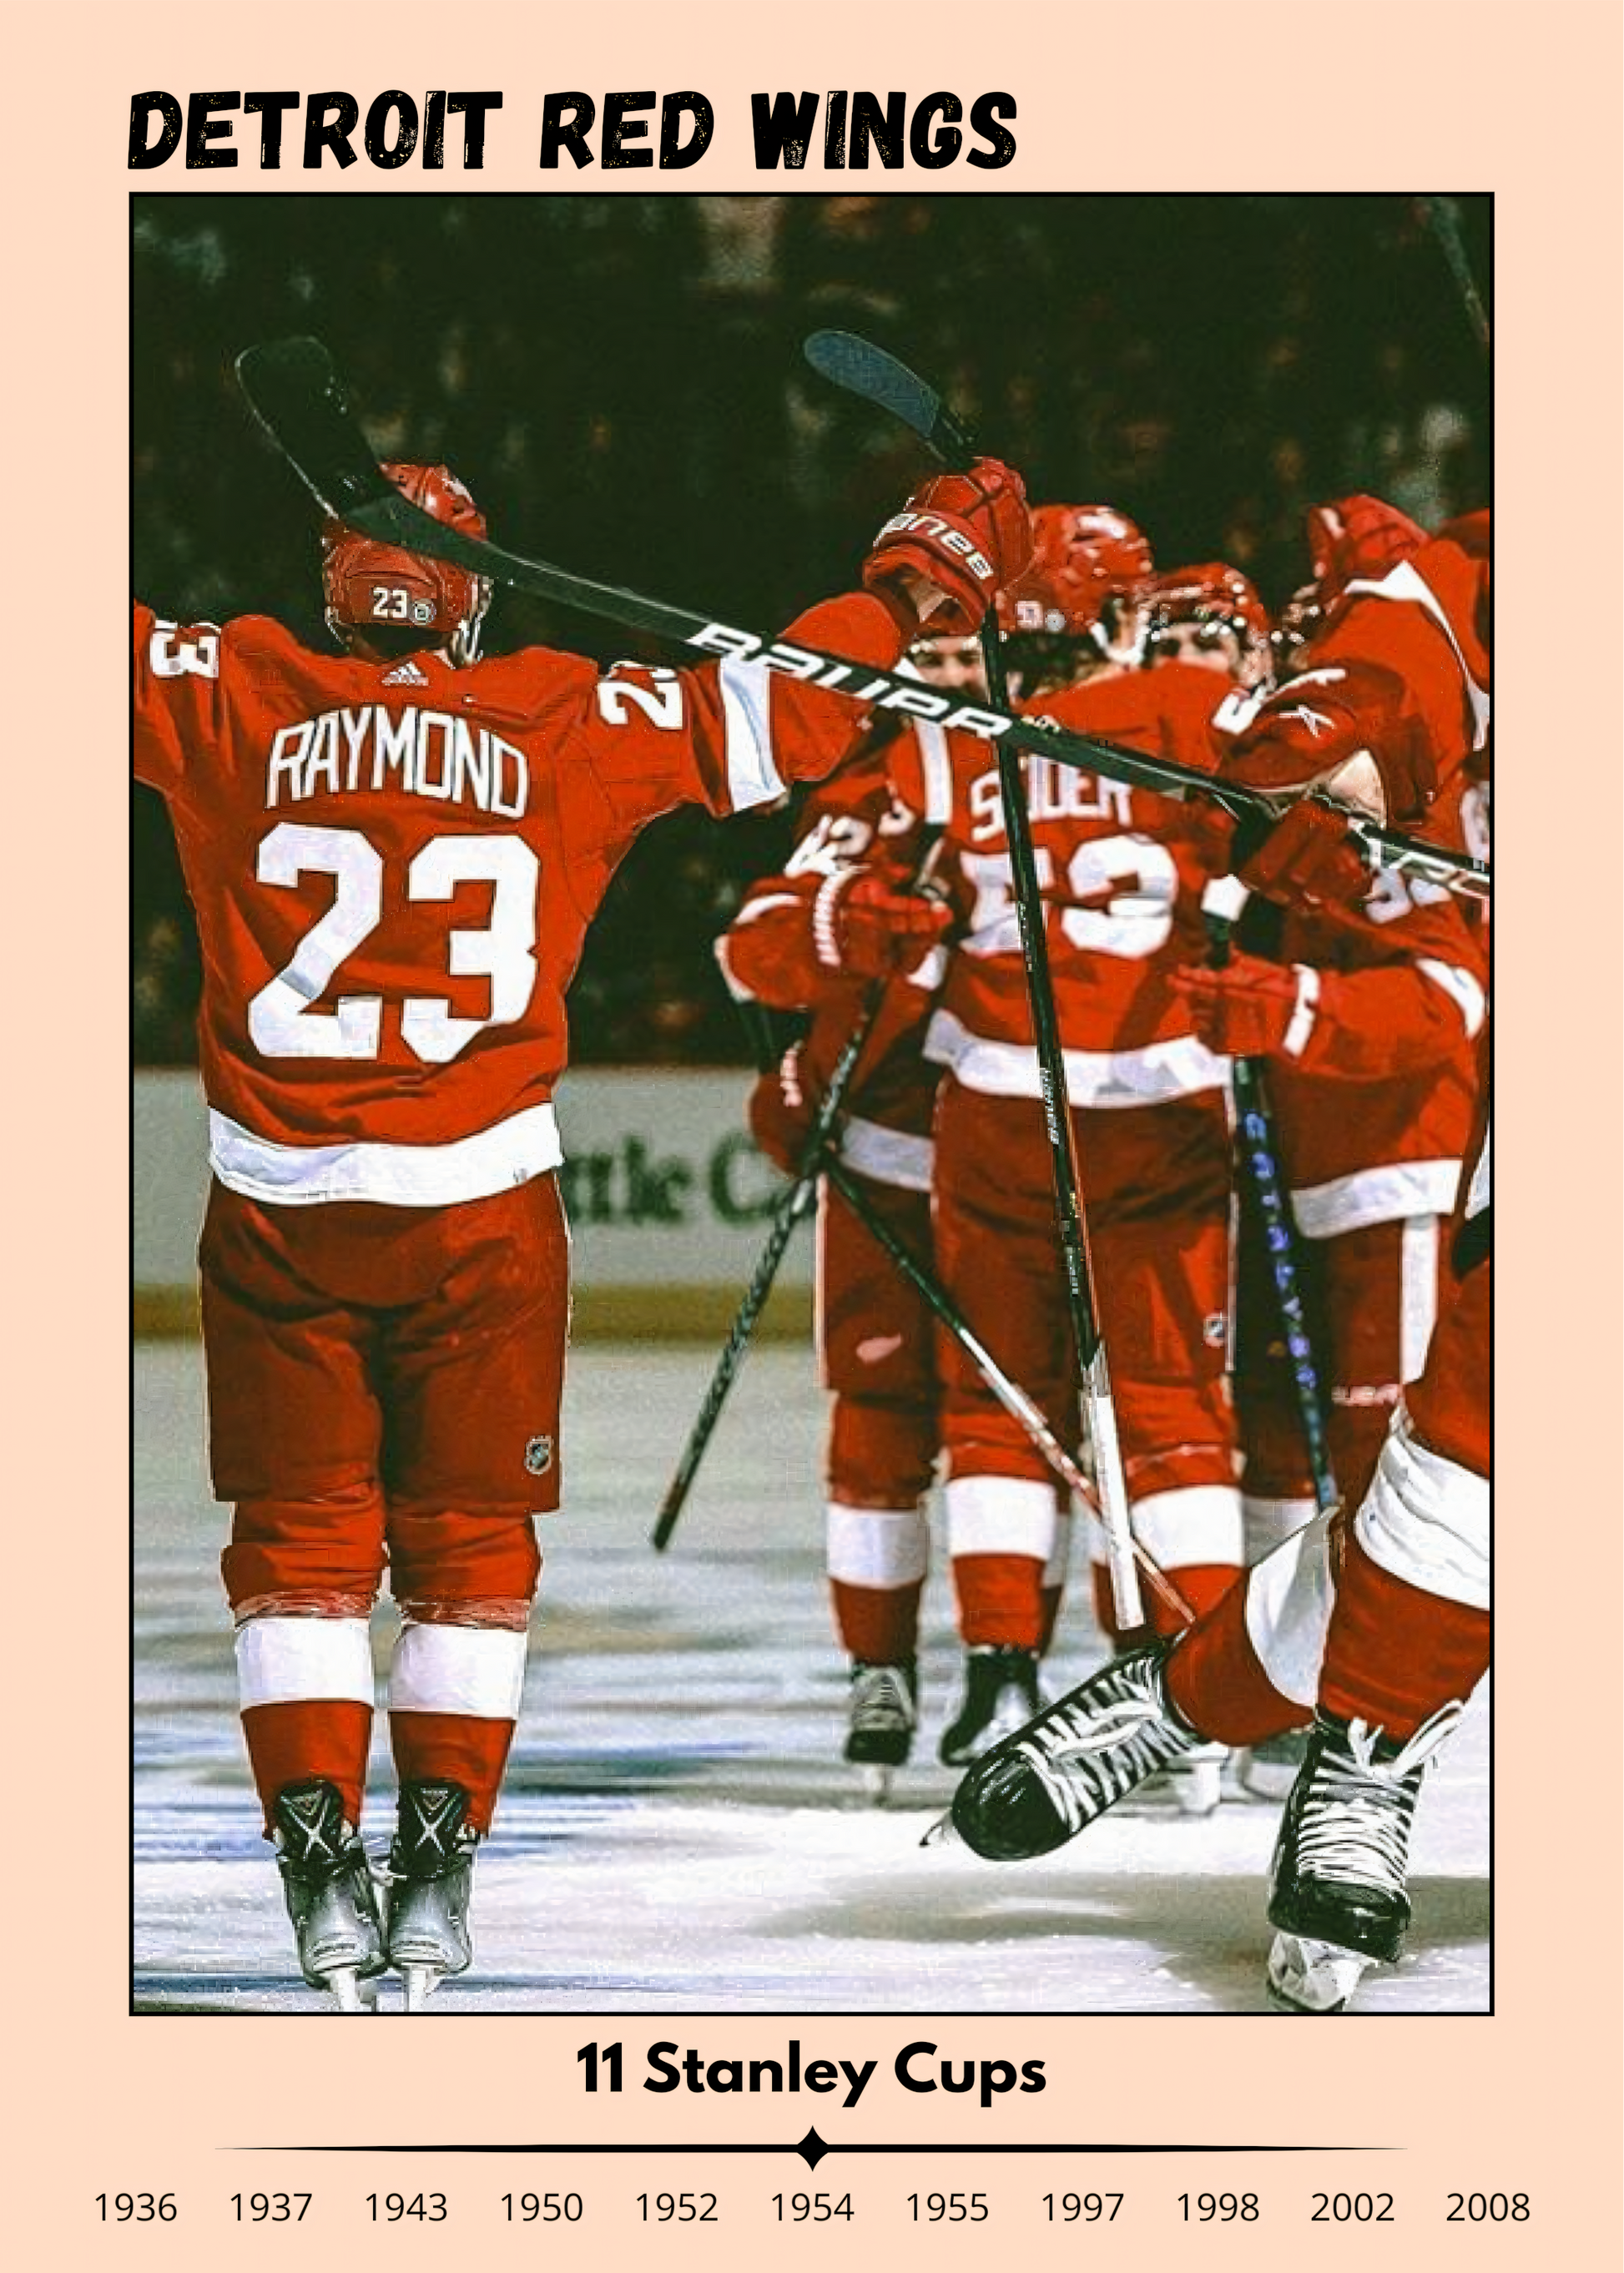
(281, 1023)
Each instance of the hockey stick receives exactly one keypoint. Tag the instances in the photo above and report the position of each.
(1255, 1128)
(861, 369)
(867, 370)
(1259, 1149)
(297, 395)
(1442, 217)
(1015, 1400)
(791, 1208)
(794, 1204)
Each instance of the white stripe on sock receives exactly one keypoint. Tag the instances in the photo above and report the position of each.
(477, 1671)
(292, 1660)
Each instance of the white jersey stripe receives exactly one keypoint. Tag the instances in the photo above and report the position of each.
(393, 1175)
(752, 777)
(1153, 1075)
(1390, 1194)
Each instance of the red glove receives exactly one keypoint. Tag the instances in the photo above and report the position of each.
(781, 1113)
(967, 534)
(1251, 1008)
(864, 930)
(1209, 833)
(1308, 859)
(1361, 536)
(1345, 728)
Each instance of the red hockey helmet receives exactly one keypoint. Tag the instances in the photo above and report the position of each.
(1063, 615)
(384, 601)
(1357, 536)
(1210, 614)
(1082, 556)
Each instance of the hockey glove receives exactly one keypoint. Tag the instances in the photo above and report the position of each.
(1361, 536)
(1307, 859)
(1250, 1009)
(967, 535)
(862, 929)
(1344, 729)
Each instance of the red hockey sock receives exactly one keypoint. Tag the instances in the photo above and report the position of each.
(453, 1748)
(1395, 1654)
(1202, 1585)
(879, 1624)
(317, 1736)
(1215, 1679)
(1000, 1600)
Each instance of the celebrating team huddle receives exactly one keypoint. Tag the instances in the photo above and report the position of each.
(1275, 1073)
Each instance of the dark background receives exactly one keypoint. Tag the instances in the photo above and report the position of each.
(619, 381)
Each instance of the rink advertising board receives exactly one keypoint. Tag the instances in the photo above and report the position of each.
(606, 2115)
(668, 1200)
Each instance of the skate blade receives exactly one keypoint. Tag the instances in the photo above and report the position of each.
(421, 1982)
(349, 1992)
(1305, 1975)
(943, 1833)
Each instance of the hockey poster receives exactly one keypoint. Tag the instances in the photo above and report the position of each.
(809, 934)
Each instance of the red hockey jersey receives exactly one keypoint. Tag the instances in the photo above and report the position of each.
(394, 867)
(1410, 655)
(770, 953)
(1375, 1114)
(1121, 872)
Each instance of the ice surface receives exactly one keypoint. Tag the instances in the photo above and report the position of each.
(679, 1833)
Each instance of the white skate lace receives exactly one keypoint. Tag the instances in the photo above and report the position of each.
(1086, 1760)
(1354, 1823)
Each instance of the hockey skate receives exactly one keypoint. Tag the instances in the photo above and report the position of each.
(884, 1714)
(1000, 1695)
(430, 1878)
(1040, 1787)
(1340, 1901)
(329, 1888)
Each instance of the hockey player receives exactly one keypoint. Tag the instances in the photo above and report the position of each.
(1366, 1020)
(1122, 872)
(394, 853)
(1384, 1619)
(841, 917)
(840, 921)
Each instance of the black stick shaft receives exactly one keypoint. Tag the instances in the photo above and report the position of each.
(1260, 1150)
(870, 373)
(1082, 1300)
(796, 1203)
(1259, 1145)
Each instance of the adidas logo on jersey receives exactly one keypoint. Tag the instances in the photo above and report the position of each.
(405, 674)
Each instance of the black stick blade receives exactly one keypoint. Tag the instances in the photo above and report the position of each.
(294, 390)
(855, 364)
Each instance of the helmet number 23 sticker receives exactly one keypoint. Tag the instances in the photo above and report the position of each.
(281, 1021)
